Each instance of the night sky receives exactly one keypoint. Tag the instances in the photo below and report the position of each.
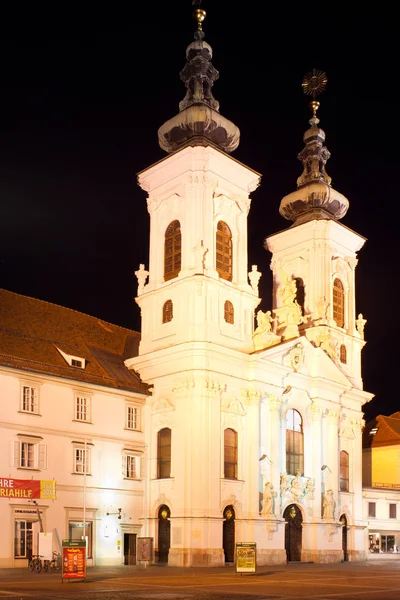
(84, 92)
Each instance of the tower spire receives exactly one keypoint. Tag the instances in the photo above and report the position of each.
(198, 121)
(314, 198)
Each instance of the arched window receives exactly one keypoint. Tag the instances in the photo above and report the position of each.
(300, 293)
(344, 471)
(343, 354)
(294, 443)
(172, 250)
(230, 454)
(164, 453)
(167, 311)
(338, 303)
(224, 251)
(229, 313)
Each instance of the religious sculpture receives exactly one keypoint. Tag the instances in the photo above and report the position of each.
(296, 487)
(360, 324)
(254, 277)
(141, 275)
(287, 289)
(328, 505)
(268, 499)
(284, 483)
(309, 489)
(263, 336)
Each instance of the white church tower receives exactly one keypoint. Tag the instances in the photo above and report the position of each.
(251, 436)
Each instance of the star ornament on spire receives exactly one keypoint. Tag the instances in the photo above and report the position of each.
(314, 83)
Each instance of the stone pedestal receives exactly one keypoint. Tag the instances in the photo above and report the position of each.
(196, 557)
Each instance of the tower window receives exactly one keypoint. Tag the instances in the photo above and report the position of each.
(294, 442)
(343, 354)
(224, 251)
(164, 453)
(172, 250)
(338, 303)
(344, 471)
(230, 454)
(300, 293)
(167, 312)
(229, 313)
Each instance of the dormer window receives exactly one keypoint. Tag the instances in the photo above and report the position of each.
(73, 361)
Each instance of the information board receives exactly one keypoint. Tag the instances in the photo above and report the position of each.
(74, 559)
(246, 555)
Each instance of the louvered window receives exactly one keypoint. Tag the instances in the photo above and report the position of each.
(224, 251)
(172, 250)
(338, 303)
(168, 311)
(229, 314)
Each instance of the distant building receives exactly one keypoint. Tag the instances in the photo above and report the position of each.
(213, 429)
(381, 482)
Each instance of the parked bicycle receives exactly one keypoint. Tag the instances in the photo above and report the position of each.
(35, 563)
(54, 564)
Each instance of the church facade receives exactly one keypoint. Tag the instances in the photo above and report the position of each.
(248, 432)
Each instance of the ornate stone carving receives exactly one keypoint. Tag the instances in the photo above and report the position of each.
(251, 394)
(233, 406)
(275, 403)
(200, 256)
(162, 405)
(264, 337)
(309, 489)
(287, 289)
(327, 343)
(296, 487)
(296, 357)
(347, 432)
(184, 386)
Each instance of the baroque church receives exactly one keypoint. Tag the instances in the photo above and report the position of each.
(220, 423)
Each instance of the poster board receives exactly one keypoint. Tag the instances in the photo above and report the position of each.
(73, 559)
(144, 551)
(246, 558)
(45, 545)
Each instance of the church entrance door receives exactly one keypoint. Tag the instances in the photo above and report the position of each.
(343, 521)
(164, 533)
(228, 536)
(293, 532)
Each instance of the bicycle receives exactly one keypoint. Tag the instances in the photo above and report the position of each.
(54, 564)
(35, 563)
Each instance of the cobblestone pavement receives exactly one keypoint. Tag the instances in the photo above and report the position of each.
(379, 580)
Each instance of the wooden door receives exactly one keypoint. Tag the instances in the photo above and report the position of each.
(164, 534)
(130, 549)
(228, 534)
(343, 521)
(293, 533)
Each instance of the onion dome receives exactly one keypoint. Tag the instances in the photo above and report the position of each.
(198, 121)
(314, 198)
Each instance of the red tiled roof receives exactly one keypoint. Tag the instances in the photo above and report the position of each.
(31, 331)
(387, 434)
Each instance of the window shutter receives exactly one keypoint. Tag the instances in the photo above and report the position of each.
(138, 467)
(17, 454)
(124, 465)
(42, 456)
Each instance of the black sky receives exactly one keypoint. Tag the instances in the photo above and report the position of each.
(83, 93)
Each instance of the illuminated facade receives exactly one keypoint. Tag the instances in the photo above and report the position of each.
(226, 423)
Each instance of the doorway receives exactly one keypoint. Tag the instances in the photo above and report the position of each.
(129, 548)
(293, 533)
(164, 533)
(343, 521)
(228, 534)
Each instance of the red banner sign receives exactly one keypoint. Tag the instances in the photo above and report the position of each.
(74, 560)
(27, 488)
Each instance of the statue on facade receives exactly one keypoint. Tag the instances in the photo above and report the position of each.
(360, 324)
(296, 487)
(287, 289)
(254, 277)
(141, 275)
(328, 505)
(263, 336)
(284, 483)
(268, 499)
(309, 489)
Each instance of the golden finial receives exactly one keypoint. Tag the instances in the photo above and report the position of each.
(314, 84)
(199, 15)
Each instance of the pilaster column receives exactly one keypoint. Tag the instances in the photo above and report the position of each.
(276, 429)
(316, 432)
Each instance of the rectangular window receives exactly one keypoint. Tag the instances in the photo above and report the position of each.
(77, 531)
(132, 417)
(30, 399)
(82, 460)
(294, 452)
(30, 455)
(131, 466)
(22, 539)
(372, 509)
(82, 408)
(387, 543)
(392, 511)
